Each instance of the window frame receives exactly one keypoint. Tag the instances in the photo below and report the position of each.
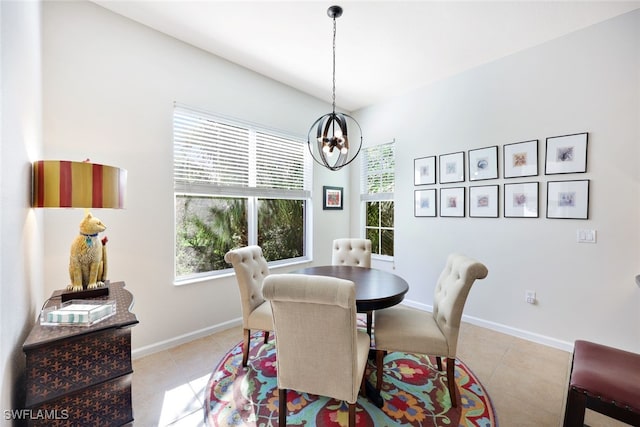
(250, 191)
(366, 196)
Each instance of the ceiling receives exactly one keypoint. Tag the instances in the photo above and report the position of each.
(383, 48)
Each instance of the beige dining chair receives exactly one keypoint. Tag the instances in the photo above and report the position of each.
(319, 349)
(414, 331)
(251, 268)
(354, 252)
(351, 251)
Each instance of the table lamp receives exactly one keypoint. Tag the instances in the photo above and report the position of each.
(68, 184)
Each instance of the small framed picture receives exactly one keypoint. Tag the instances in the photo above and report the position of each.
(483, 163)
(425, 202)
(566, 154)
(451, 168)
(520, 159)
(452, 202)
(483, 201)
(332, 198)
(568, 199)
(424, 170)
(521, 200)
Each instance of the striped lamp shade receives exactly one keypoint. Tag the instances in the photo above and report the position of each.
(65, 184)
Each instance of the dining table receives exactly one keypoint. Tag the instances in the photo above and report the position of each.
(375, 290)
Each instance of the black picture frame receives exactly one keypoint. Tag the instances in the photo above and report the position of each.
(483, 163)
(521, 200)
(452, 202)
(424, 170)
(332, 198)
(568, 199)
(484, 201)
(566, 154)
(451, 168)
(520, 159)
(425, 203)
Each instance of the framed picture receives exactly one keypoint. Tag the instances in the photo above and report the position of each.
(452, 202)
(566, 154)
(568, 199)
(520, 159)
(452, 168)
(483, 163)
(521, 200)
(425, 202)
(332, 198)
(424, 170)
(483, 201)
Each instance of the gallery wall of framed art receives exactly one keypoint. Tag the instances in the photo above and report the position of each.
(520, 194)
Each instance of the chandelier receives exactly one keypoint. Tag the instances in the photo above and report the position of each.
(328, 137)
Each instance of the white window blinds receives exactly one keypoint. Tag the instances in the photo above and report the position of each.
(214, 155)
(377, 177)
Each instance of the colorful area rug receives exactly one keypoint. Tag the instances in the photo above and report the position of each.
(414, 392)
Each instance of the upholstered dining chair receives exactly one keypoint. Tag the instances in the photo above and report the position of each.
(319, 349)
(413, 331)
(351, 251)
(251, 268)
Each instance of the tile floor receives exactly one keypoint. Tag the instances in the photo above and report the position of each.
(526, 381)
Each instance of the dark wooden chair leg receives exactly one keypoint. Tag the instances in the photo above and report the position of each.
(451, 380)
(576, 407)
(352, 415)
(379, 368)
(245, 347)
(266, 336)
(282, 407)
(439, 362)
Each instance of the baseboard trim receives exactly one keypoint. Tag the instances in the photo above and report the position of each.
(508, 330)
(185, 338)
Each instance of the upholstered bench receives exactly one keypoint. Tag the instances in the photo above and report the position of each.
(605, 380)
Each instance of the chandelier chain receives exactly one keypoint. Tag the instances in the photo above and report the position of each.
(334, 66)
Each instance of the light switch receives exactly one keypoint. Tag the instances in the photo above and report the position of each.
(586, 236)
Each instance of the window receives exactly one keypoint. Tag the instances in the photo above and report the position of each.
(236, 184)
(377, 186)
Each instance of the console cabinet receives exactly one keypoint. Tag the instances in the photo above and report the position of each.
(81, 375)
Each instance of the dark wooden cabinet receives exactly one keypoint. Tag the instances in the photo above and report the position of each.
(81, 375)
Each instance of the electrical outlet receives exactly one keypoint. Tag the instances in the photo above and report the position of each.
(530, 297)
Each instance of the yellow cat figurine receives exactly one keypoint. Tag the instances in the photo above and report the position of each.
(87, 264)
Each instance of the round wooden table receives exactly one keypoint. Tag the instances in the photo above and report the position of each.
(375, 289)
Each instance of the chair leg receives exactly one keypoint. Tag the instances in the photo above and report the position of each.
(245, 347)
(352, 415)
(282, 407)
(576, 407)
(266, 336)
(379, 367)
(439, 362)
(451, 381)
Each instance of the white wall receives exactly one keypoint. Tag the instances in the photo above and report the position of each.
(588, 81)
(21, 245)
(109, 87)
